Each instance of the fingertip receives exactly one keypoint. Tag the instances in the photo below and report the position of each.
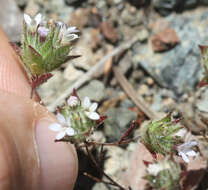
(13, 77)
(58, 161)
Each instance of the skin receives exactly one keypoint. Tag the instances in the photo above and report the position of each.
(29, 157)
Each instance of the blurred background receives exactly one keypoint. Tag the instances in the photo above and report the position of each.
(162, 65)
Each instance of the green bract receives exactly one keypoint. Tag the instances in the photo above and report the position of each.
(159, 136)
(45, 44)
(164, 174)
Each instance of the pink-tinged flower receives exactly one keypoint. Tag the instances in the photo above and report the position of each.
(32, 23)
(43, 31)
(185, 150)
(73, 101)
(63, 127)
(90, 109)
(67, 34)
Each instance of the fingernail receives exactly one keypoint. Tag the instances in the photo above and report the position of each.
(58, 160)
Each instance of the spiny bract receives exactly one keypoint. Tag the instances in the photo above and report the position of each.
(159, 136)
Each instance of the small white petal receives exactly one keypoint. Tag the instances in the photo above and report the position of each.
(187, 145)
(86, 102)
(38, 18)
(72, 29)
(61, 119)
(68, 122)
(55, 127)
(184, 157)
(70, 131)
(71, 37)
(191, 153)
(93, 107)
(94, 116)
(60, 135)
(27, 19)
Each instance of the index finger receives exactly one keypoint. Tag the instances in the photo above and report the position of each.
(13, 77)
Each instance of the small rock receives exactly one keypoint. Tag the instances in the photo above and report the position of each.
(71, 2)
(71, 74)
(109, 32)
(95, 90)
(100, 186)
(11, 20)
(131, 18)
(21, 3)
(79, 18)
(204, 2)
(190, 4)
(139, 3)
(165, 40)
(118, 121)
(202, 104)
(50, 90)
(164, 7)
(32, 8)
(95, 18)
(125, 63)
(127, 103)
(143, 90)
(96, 39)
(84, 47)
(149, 81)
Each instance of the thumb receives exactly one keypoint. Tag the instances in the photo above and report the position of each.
(34, 158)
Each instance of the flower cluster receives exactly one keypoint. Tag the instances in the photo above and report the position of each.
(164, 174)
(160, 136)
(76, 120)
(45, 44)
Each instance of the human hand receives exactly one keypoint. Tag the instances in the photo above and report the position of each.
(29, 157)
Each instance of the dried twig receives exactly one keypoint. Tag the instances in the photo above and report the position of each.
(90, 74)
(140, 103)
(97, 179)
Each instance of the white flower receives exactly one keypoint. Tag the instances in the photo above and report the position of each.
(184, 150)
(66, 34)
(32, 23)
(154, 169)
(90, 109)
(73, 101)
(63, 127)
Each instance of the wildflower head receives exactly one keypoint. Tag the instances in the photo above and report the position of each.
(164, 174)
(45, 44)
(83, 119)
(160, 136)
